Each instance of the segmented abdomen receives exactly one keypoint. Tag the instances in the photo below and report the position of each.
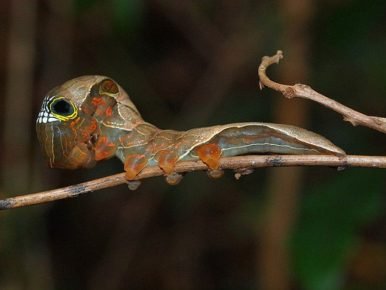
(244, 138)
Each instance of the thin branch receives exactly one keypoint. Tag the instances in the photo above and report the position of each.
(241, 164)
(306, 92)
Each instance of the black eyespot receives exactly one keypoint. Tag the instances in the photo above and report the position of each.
(62, 107)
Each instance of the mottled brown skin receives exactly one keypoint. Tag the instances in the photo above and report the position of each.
(91, 118)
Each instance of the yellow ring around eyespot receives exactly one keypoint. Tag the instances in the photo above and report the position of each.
(61, 117)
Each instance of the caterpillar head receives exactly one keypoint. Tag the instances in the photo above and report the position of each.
(68, 125)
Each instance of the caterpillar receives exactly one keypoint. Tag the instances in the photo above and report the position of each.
(91, 118)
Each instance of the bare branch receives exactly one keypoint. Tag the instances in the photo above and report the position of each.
(306, 92)
(240, 164)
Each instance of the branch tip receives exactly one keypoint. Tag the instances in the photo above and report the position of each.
(306, 92)
(279, 55)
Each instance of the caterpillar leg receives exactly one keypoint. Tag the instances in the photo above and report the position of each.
(210, 154)
(167, 162)
(134, 163)
(173, 178)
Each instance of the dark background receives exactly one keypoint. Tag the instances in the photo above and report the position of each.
(187, 64)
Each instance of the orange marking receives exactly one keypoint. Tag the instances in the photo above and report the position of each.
(104, 148)
(87, 129)
(74, 122)
(134, 164)
(93, 125)
(97, 101)
(209, 154)
(167, 160)
(109, 111)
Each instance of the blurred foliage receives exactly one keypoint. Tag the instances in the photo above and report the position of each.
(330, 220)
(127, 16)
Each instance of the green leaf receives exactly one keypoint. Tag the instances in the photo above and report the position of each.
(331, 216)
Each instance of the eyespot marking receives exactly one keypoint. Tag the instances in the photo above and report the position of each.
(61, 107)
(56, 109)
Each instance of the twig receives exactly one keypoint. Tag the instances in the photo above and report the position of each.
(239, 163)
(306, 92)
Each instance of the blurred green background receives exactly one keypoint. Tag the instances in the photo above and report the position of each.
(187, 64)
